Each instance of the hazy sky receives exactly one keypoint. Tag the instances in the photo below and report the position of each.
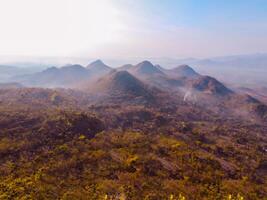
(132, 28)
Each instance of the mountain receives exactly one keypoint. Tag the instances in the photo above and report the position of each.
(65, 76)
(209, 85)
(9, 71)
(231, 69)
(98, 68)
(148, 73)
(258, 93)
(251, 68)
(183, 71)
(243, 61)
(176, 79)
(121, 84)
(125, 67)
(134, 83)
(214, 95)
(145, 68)
(160, 68)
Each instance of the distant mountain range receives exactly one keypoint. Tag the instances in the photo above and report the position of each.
(55, 77)
(66, 76)
(237, 71)
(243, 70)
(9, 71)
(140, 83)
(74, 76)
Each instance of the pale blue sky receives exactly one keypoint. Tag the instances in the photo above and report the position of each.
(133, 28)
(205, 12)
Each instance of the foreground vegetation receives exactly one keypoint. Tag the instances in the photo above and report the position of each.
(55, 154)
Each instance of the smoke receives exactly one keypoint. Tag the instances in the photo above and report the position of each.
(190, 96)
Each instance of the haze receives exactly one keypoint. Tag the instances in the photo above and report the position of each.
(133, 99)
(133, 28)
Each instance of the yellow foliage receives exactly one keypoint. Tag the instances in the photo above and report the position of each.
(82, 137)
(132, 159)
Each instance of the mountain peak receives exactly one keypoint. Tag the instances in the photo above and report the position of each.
(210, 85)
(185, 70)
(122, 84)
(50, 69)
(73, 67)
(146, 62)
(184, 66)
(146, 68)
(97, 62)
(120, 79)
(98, 67)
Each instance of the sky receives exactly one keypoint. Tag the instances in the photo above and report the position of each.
(132, 28)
